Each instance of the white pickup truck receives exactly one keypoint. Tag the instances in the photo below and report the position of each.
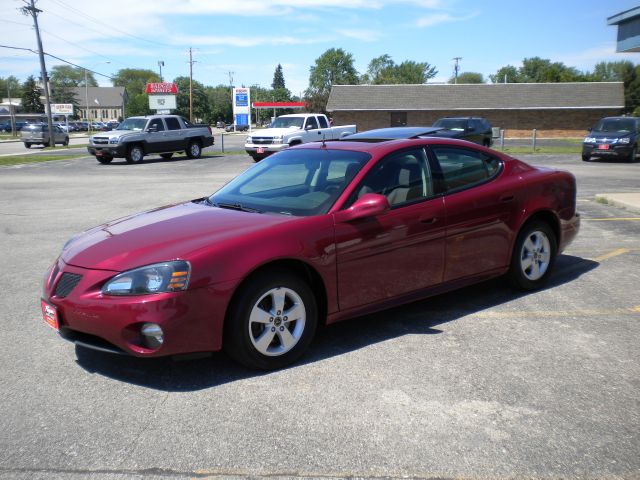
(288, 130)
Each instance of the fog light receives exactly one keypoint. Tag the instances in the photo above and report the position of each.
(152, 335)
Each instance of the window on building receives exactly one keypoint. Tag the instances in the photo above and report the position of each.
(398, 119)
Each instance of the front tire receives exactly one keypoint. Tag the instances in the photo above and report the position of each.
(194, 150)
(271, 321)
(533, 257)
(27, 145)
(586, 157)
(632, 155)
(104, 159)
(65, 142)
(135, 154)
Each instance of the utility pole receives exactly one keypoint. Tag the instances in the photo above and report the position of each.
(456, 68)
(190, 86)
(31, 9)
(160, 65)
(231, 88)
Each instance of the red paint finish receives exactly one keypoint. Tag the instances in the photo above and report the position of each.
(359, 258)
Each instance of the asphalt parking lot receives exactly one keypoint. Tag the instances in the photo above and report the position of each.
(484, 382)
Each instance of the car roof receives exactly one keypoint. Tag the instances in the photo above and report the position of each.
(391, 133)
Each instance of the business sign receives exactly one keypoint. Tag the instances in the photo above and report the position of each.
(62, 108)
(164, 87)
(162, 102)
(241, 105)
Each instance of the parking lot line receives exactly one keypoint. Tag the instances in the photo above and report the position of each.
(612, 253)
(615, 219)
(565, 313)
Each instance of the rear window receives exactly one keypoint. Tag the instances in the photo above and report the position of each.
(173, 123)
(33, 128)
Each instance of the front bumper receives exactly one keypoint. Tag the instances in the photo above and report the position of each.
(191, 320)
(114, 151)
(612, 151)
(266, 149)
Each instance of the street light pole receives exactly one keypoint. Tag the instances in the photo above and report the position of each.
(160, 65)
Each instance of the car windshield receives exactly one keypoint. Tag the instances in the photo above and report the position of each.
(132, 124)
(451, 124)
(619, 125)
(298, 182)
(287, 122)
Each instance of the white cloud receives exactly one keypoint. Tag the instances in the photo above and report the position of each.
(364, 35)
(437, 18)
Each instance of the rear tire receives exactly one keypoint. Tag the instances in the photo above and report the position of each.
(28, 145)
(272, 321)
(135, 154)
(533, 257)
(585, 157)
(65, 143)
(194, 150)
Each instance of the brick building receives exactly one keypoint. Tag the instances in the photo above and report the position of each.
(554, 109)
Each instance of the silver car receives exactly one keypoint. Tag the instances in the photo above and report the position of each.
(38, 133)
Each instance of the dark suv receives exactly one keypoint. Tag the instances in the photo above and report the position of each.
(613, 137)
(473, 129)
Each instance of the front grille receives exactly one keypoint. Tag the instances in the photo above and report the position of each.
(100, 140)
(67, 282)
(262, 140)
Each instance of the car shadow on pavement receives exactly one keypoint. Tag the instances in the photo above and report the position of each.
(121, 162)
(421, 317)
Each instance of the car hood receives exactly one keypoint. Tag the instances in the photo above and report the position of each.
(272, 132)
(116, 133)
(167, 233)
(610, 135)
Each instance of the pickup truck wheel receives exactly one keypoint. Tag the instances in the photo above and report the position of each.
(166, 156)
(28, 145)
(65, 143)
(135, 154)
(104, 159)
(194, 150)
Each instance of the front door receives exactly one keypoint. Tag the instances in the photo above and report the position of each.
(400, 251)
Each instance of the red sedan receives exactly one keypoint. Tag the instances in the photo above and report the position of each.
(316, 233)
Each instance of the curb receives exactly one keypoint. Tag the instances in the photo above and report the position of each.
(628, 201)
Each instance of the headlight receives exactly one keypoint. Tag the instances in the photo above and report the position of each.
(624, 140)
(590, 140)
(157, 278)
(249, 140)
(277, 139)
(114, 140)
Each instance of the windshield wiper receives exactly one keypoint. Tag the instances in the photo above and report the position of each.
(236, 206)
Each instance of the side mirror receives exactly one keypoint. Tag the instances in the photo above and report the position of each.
(152, 128)
(368, 205)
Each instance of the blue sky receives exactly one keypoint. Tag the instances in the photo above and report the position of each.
(251, 37)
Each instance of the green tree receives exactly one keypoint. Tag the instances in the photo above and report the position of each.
(74, 76)
(201, 111)
(219, 99)
(383, 70)
(31, 94)
(333, 67)
(508, 74)
(621, 71)
(278, 78)
(468, 77)
(134, 79)
(10, 84)
(137, 104)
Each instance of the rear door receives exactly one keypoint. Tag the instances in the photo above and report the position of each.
(478, 210)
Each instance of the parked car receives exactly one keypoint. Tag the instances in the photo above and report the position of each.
(613, 137)
(236, 128)
(220, 124)
(316, 233)
(473, 129)
(5, 127)
(38, 134)
(64, 127)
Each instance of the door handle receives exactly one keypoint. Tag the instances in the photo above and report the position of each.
(507, 198)
(429, 220)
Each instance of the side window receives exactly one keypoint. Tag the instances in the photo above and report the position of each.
(323, 122)
(312, 123)
(172, 123)
(462, 168)
(157, 123)
(403, 177)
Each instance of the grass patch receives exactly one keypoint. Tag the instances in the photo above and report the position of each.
(541, 150)
(602, 200)
(22, 159)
